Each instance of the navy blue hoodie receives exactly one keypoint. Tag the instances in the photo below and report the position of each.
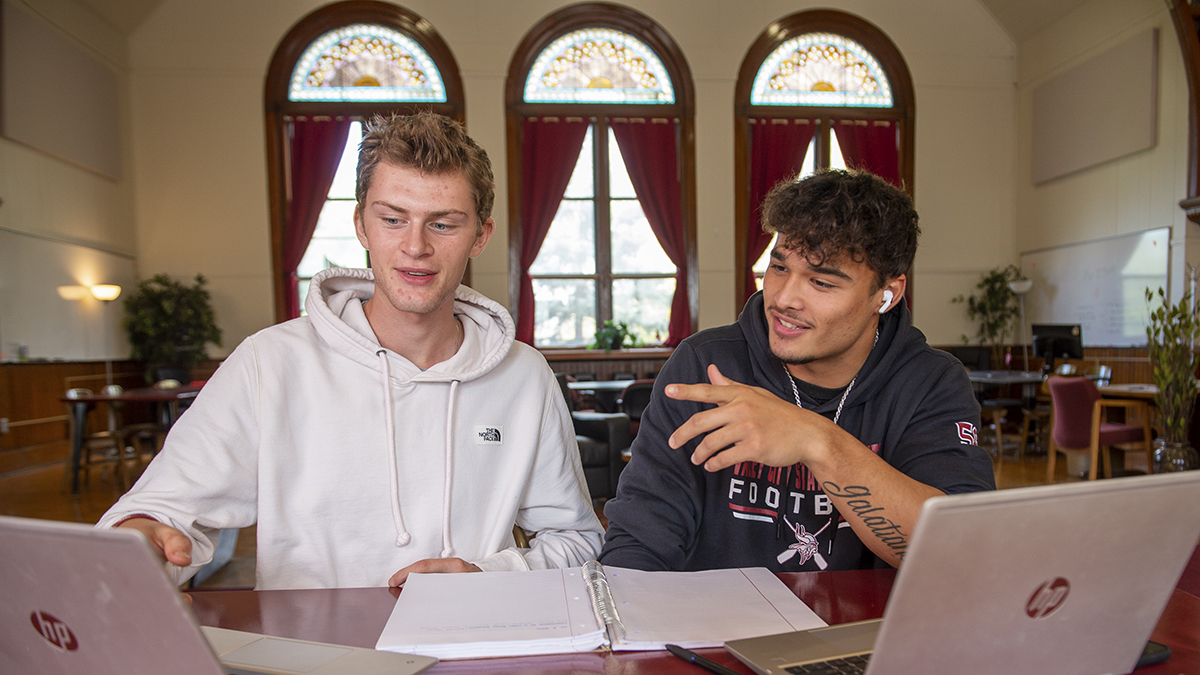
(911, 404)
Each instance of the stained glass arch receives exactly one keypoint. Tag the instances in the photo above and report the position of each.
(835, 74)
(347, 60)
(598, 65)
(822, 69)
(365, 62)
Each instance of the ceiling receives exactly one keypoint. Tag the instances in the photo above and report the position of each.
(124, 15)
(1020, 18)
(1024, 18)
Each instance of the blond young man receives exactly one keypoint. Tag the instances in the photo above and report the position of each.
(397, 427)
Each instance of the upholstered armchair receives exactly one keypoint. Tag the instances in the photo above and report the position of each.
(602, 438)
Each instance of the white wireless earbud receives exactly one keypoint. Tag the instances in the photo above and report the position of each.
(887, 300)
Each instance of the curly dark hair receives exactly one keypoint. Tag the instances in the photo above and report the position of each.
(855, 213)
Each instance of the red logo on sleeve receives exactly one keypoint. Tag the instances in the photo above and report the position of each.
(967, 434)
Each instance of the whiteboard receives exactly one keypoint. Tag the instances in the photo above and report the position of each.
(1099, 284)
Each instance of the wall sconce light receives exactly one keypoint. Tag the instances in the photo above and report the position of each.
(106, 292)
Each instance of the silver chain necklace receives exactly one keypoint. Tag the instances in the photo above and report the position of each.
(796, 391)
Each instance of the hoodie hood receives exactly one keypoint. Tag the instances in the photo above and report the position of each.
(898, 343)
(334, 306)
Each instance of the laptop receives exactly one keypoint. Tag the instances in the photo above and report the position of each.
(74, 599)
(1052, 579)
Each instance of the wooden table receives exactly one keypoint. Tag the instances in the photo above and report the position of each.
(981, 380)
(606, 392)
(80, 404)
(356, 616)
(1141, 392)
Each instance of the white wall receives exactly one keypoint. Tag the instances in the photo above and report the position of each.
(1137, 192)
(193, 76)
(64, 225)
(197, 72)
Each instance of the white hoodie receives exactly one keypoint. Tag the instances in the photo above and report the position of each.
(356, 463)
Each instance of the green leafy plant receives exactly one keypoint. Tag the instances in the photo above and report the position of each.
(169, 324)
(1172, 331)
(612, 335)
(996, 308)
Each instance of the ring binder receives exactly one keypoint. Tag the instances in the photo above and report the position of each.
(587, 608)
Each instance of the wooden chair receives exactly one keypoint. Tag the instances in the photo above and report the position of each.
(140, 438)
(1035, 422)
(520, 537)
(99, 448)
(1079, 424)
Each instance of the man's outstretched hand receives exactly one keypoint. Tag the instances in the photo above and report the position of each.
(749, 424)
(171, 545)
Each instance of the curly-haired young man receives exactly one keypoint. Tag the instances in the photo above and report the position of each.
(806, 435)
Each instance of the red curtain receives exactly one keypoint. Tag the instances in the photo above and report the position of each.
(316, 148)
(872, 146)
(777, 148)
(550, 148)
(651, 152)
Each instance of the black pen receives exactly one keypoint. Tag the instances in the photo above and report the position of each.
(694, 658)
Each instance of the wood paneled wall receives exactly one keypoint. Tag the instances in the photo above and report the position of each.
(1130, 365)
(644, 363)
(38, 426)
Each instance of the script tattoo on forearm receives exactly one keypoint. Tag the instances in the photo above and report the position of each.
(858, 499)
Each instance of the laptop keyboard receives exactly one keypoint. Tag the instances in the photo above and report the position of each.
(848, 665)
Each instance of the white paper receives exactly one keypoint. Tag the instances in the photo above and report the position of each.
(703, 609)
(493, 614)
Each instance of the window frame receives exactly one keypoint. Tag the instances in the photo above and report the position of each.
(550, 28)
(279, 111)
(902, 112)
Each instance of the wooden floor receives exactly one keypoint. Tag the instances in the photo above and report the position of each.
(40, 493)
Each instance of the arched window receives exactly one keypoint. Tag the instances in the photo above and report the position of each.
(601, 179)
(817, 89)
(336, 67)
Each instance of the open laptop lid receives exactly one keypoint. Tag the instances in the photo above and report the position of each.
(78, 600)
(75, 600)
(1061, 578)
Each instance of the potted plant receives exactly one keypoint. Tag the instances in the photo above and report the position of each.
(996, 309)
(169, 324)
(1170, 337)
(612, 335)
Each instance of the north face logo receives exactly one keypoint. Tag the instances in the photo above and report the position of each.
(488, 435)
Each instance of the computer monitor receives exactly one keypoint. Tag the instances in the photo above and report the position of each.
(1056, 340)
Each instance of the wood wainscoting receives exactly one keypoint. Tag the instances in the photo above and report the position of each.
(37, 422)
(1130, 365)
(642, 362)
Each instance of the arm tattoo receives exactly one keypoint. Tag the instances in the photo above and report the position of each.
(858, 498)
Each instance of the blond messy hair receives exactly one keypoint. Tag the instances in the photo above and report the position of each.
(432, 144)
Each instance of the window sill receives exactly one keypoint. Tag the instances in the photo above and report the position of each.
(584, 354)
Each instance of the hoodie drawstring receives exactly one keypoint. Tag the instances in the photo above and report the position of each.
(447, 550)
(402, 535)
